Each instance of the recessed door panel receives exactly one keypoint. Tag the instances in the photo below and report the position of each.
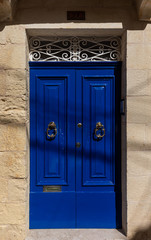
(51, 152)
(98, 107)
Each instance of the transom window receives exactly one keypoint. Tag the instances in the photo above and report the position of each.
(75, 49)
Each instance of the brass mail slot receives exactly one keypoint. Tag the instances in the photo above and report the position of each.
(52, 188)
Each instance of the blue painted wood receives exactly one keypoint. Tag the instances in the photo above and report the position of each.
(51, 154)
(52, 210)
(69, 93)
(96, 210)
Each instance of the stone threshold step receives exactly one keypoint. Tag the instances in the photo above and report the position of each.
(75, 234)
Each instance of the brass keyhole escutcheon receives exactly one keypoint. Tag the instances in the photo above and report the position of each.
(78, 145)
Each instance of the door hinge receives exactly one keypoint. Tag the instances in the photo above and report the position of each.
(122, 106)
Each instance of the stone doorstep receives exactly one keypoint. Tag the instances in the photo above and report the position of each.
(75, 234)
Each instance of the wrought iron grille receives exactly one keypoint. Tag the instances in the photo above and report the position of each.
(75, 49)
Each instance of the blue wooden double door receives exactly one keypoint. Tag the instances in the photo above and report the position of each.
(75, 145)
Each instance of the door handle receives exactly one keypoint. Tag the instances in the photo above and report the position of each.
(52, 126)
(99, 126)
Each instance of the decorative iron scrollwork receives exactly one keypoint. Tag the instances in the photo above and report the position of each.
(75, 49)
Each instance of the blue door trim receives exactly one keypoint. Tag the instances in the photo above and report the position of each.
(74, 64)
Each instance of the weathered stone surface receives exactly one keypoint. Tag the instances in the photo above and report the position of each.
(3, 189)
(12, 56)
(144, 9)
(3, 82)
(148, 137)
(139, 62)
(12, 213)
(135, 36)
(135, 136)
(8, 36)
(5, 10)
(137, 82)
(139, 163)
(12, 232)
(13, 165)
(17, 190)
(139, 188)
(16, 232)
(147, 36)
(139, 218)
(13, 83)
(149, 82)
(12, 137)
(4, 232)
(12, 109)
(116, 3)
(139, 109)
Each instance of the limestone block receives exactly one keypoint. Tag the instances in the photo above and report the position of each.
(13, 82)
(139, 109)
(12, 232)
(4, 232)
(13, 56)
(17, 190)
(7, 34)
(12, 213)
(136, 56)
(148, 55)
(137, 82)
(144, 9)
(149, 82)
(116, 3)
(30, 4)
(138, 189)
(147, 36)
(135, 36)
(24, 4)
(13, 165)
(3, 189)
(148, 137)
(12, 137)
(16, 232)
(138, 163)
(139, 217)
(5, 10)
(12, 102)
(2, 82)
(13, 109)
(135, 136)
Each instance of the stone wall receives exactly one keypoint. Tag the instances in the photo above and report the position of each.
(102, 17)
(139, 130)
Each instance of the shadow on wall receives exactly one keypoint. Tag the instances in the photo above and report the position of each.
(55, 11)
(144, 234)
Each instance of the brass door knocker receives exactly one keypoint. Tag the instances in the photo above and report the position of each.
(99, 126)
(52, 126)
